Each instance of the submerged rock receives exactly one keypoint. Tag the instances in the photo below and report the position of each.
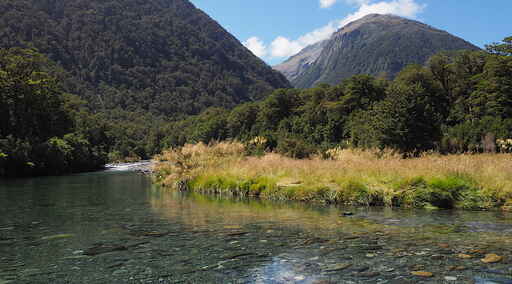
(56, 237)
(492, 258)
(100, 249)
(422, 273)
(456, 268)
(337, 267)
(369, 274)
(464, 256)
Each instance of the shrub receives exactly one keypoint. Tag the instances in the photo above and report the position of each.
(295, 148)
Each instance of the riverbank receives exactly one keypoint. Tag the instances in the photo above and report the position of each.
(354, 177)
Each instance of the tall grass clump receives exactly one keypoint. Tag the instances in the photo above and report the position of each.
(183, 164)
(342, 176)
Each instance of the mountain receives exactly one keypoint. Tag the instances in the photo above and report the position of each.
(165, 57)
(299, 63)
(375, 44)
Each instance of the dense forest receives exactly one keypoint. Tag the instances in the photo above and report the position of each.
(164, 57)
(458, 102)
(138, 64)
(42, 129)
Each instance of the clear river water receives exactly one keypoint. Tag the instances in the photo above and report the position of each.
(115, 226)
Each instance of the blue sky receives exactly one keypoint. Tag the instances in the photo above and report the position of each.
(277, 29)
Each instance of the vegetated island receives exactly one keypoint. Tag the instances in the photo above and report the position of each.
(347, 176)
(435, 137)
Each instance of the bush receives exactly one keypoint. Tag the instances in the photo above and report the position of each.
(295, 148)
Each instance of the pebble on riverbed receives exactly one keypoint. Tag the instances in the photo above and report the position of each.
(422, 273)
(492, 258)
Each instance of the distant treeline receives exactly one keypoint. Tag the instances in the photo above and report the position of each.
(458, 102)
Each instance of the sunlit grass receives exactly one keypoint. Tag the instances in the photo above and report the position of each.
(349, 177)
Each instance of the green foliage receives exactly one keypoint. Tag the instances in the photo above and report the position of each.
(31, 104)
(504, 48)
(158, 56)
(407, 119)
(134, 66)
(40, 132)
(295, 148)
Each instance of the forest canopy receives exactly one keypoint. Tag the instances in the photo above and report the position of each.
(164, 57)
(42, 129)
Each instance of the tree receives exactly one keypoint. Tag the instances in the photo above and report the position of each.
(408, 119)
(32, 106)
(42, 130)
(503, 49)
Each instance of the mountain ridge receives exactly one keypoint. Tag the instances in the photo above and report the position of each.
(375, 44)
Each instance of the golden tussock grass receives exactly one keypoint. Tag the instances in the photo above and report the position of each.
(350, 176)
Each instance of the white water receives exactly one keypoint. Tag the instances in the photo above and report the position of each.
(128, 166)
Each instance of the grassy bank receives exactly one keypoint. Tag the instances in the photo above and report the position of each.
(348, 177)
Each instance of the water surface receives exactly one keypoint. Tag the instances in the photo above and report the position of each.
(116, 227)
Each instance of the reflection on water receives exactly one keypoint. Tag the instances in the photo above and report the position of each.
(116, 227)
(204, 212)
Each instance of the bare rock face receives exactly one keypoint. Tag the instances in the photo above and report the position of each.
(299, 63)
(375, 44)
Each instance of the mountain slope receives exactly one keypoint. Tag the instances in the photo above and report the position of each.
(299, 63)
(376, 44)
(162, 56)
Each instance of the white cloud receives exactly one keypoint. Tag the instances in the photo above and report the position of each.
(285, 47)
(256, 45)
(404, 8)
(327, 3)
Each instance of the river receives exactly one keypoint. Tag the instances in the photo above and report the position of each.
(117, 227)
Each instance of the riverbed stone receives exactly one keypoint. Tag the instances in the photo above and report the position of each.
(450, 278)
(492, 258)
(422, 274)
(57, 237)
(437, 257)
(119, 272)
(369, 274)
(361, 268)
(337, 267)
(464, 256)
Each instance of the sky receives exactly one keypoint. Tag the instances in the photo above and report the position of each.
(277, 29)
